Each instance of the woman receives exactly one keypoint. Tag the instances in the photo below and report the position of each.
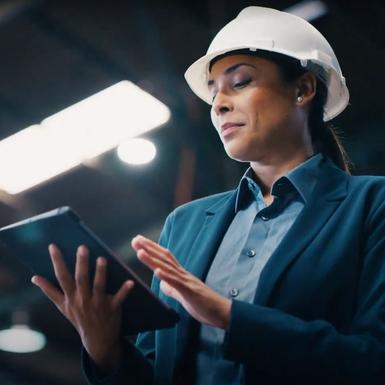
(281, 281)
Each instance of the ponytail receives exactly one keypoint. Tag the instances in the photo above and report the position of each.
(324, 137)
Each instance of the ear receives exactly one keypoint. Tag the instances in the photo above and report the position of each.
(306, 88)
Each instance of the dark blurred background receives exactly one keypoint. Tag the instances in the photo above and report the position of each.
(55, 53)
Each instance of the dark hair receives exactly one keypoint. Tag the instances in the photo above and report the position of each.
(324, 136)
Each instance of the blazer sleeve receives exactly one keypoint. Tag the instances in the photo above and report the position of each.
(138, 360)
(136, 369)
(272, 341)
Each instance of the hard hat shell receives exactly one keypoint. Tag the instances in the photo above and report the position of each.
(272, 30)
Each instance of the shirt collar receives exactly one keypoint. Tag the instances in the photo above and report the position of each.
(302, 178)
(305, 175)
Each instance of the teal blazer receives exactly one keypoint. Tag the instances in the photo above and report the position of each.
(318, 316)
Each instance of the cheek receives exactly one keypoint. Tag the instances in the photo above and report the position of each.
(255, 104)
(269, 107)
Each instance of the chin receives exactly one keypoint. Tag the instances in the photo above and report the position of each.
(238, 153)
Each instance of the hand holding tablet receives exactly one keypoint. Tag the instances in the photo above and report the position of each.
(78, 274)
(96, 316)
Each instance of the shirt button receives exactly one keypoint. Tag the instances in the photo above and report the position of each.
(250, 253)
(264, 218)
(234, 292)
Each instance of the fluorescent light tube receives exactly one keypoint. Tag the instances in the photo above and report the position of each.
(79, 132)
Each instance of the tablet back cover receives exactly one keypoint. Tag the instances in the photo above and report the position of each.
(28, 240)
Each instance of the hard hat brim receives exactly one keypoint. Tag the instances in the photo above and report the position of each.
(197, 77)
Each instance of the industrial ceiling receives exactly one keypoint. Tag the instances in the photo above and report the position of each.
(56, 53)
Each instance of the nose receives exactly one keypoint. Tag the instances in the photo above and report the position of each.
(221, 104)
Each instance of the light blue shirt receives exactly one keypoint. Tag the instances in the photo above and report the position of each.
(250, 240)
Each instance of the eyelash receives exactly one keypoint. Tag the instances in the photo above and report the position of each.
(241, 84)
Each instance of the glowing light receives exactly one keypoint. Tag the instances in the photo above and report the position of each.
(21, 339)
(308, 10)
(137, 151)
(76, 134)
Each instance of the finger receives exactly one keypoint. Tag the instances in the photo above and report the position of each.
(139, 242)
(154, 262)
(155, 247)
(62, 274)
(177, 283)
(122, 293)
(161, 255)
(53, 293)
(81, 271)
(99, 285)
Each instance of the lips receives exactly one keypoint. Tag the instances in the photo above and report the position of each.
(229, 127)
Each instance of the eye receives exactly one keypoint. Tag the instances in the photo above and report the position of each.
(242, 83)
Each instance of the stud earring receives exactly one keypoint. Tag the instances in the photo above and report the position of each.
(299, 99)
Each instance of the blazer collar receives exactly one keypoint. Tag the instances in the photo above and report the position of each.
(329, 191)
(217, 220)
(327, 195)
(330, 187)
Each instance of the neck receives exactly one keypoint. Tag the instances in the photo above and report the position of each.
(267, 172)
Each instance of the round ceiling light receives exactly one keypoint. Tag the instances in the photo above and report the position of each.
(137, 151)
(21, 339)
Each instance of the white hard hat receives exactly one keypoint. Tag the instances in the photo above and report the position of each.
(272, 30)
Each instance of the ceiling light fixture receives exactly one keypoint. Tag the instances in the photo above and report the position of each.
(20, 338)
(136, 151)
(78, 133)
(308, 10)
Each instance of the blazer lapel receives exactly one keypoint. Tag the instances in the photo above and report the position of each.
(217, 220)
(328, 193)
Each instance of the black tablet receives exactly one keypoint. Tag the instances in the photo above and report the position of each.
(28, 240)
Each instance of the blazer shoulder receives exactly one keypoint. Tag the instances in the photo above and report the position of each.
(193, 214)
(367, 183)
(368, 191)
(205, 203)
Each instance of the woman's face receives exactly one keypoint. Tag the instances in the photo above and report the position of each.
(257, 115)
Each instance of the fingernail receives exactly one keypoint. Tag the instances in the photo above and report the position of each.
(33, 280)
(101, 261)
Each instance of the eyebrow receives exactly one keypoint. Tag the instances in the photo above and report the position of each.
(229, 70)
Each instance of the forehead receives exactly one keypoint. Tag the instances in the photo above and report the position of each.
(220, 66)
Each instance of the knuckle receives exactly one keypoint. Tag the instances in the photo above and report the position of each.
(81, 279)
(98, 288)
(81, 303)
(60, 276)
